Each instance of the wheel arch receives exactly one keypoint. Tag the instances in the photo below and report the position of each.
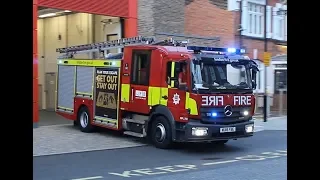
(80, 102)
(164, 111)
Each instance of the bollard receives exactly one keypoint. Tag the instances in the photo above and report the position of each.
(268, 105)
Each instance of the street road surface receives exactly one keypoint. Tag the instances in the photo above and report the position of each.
(261, 157)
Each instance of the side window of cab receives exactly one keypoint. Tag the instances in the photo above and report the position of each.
(176, 74)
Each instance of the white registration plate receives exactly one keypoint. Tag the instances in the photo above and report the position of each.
(227, 129)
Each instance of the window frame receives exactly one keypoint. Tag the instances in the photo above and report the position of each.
(276, 89)
(135, 80)
(253, 28)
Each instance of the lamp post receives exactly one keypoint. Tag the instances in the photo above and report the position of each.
(265, 97)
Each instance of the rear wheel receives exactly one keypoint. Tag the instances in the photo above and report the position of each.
(161, 133)
(84, 120)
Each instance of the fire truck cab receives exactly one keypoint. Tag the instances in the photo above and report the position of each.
(166, 91)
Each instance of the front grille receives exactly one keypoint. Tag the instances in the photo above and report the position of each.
(221, 118)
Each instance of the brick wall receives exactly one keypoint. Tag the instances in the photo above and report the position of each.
(210, 18)
(146, 25)
(160, 16)
(251, 44)
(206, 18)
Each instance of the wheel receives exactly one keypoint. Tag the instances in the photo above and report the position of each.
(84, 120)
(221, 142)
(161, 133)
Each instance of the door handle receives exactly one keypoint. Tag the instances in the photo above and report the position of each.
(165, 97)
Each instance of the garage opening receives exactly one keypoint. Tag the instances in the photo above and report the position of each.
(59, 28)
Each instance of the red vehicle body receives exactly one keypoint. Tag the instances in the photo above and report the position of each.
(138, 92)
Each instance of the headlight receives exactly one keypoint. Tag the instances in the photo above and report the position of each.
(249, 128)
(245, 113)
(199, 131)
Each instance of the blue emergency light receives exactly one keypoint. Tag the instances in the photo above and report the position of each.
(214, 114)
(216, 49)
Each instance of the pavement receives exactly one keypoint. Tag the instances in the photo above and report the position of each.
(105, 155)
(65, 138)
(49, 118)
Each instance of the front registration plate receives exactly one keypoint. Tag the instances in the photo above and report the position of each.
(227, 129)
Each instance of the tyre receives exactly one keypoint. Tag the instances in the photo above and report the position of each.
(84, 120)
(221, 142)
(161, 133)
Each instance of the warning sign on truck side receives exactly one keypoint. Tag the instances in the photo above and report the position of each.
(106, 92)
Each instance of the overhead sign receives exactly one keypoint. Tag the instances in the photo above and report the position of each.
(266, 58)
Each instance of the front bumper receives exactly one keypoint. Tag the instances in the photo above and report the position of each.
(213, 132)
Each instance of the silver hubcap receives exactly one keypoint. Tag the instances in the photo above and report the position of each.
(160, 132)
(84, 119)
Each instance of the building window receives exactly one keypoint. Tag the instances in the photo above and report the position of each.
(255, 19)
(279, 24)
(280, 81)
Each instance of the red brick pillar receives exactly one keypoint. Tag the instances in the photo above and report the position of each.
(35, 65)
(131, 22)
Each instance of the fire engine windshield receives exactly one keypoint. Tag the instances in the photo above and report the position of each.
(221, 74)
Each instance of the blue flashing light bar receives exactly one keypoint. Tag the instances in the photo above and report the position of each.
(216, 49)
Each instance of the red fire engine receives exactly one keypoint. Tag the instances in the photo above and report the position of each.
(166, 91)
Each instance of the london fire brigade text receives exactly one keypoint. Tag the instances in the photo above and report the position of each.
(220, 100)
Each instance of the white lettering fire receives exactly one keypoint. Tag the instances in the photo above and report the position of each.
(242, 100)
(212, 101)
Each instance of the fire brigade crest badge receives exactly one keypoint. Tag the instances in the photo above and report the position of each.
(176, 99)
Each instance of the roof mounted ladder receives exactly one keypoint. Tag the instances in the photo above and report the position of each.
(101, 46)
(172, 42)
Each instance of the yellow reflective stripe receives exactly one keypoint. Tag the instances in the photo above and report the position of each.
(106, 119)
(172, 73)
(91, 62)
(187, 100)
(125, 92)
(172, 69)
(154, 96)
(172, 84)
(191, 104)
(65, 108)
(164, 92)
(83, 93)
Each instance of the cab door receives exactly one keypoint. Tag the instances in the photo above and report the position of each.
(139, 81)
(176, 96)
